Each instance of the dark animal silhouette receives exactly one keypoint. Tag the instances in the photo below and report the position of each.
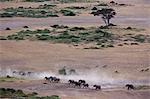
(52, 79)
(7, 28)
(56, 80)
(71, 81)
(82, 81)
(8, 76)
(97, 87)
(77, 84)
(130, 86)
(85, 85)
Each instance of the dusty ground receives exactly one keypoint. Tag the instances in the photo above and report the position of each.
(44, 56)
(67, 92)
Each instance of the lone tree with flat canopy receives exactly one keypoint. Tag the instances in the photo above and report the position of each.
(106, 14)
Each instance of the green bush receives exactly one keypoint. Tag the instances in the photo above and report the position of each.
(72, 71)
(70, 35)
(102, 4)
(140, 38)
(10, 93)
(62, 71)
(110, 45)
(35, 0)
(6, 14)
(15, 37)
(3, 38)
(67, 12)
(25, 12)
(75, 7)
(59, 26)
(77, 28)
(4, 0)
(46, 6)
(70, 1)
(92, 47)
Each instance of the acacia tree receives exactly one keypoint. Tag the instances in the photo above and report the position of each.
(106, 14)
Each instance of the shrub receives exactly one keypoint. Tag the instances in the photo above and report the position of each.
(111, 24)
(72, 71)
(92, 48)
(110, 45)
(120, 44)
(62, 71)
(75, 7)
(140, 38)
(102, 4)
(10, 93)
(103, 45)
(3, 38)
(46, 6)
(142, 87)
(25, 27)
(104, 27)
(122, 4)
(35, 0)
(94, 8)
(43, 37)
(77, 28)
(129, 28)
(67, 13)
(6, 14)
(4, 0)
(113, 2)
(59, 26)
(54, 97)
(8, 76)
(15, 37)
(27, 12)
(70, 35)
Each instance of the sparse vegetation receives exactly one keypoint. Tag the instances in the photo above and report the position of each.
(59, 26)
(129, 28)
(94, 8)
(140, 38)
(46, 6)
(25, 27)
(92, 47)
(142, 87)
(4, 0)
(67, 12)
(102, 4)
(67, 36)
(72, 71)
(9, 79)
(35, 0)
(19, 94)
(27, 12)
(77, 28)
(76, 7)
(62, 71)
(70, 1)
(3, 38)
(75, 35)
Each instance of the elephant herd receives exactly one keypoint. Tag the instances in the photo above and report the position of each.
(52, 79)
(81, 83)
